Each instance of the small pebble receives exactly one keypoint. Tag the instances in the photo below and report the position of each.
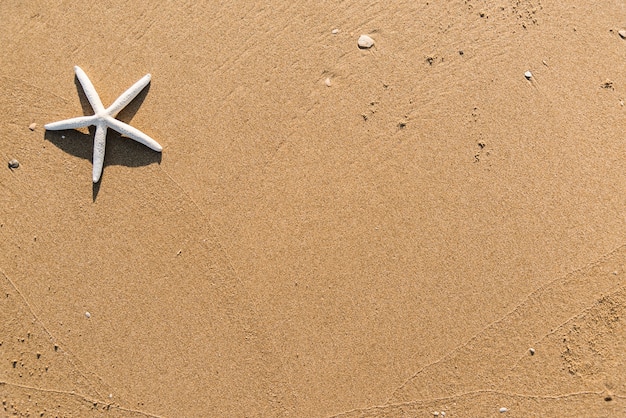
(622, 33)
(32, 126)
(14, 164)
(87, 315)
(327, 82)
(365, 42)
(503, 409)
(528, 75)
(334, 31)
(532, 351)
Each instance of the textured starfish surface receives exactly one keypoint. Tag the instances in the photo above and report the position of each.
(105, 118)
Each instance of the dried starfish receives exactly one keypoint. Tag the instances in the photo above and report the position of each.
(105, 118)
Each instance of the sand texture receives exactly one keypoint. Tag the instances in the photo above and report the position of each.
(430, 225)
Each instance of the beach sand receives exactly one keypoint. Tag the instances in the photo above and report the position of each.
(415, 229)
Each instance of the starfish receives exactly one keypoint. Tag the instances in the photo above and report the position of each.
(105, 118)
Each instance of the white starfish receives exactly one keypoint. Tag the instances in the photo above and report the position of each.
(105, 118)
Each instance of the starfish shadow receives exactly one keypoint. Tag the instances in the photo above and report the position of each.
(119, 151)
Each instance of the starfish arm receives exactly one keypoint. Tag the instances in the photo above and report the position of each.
(133, 133)
(128, 96)
(90, 90)
(99, 145)
(79, 122)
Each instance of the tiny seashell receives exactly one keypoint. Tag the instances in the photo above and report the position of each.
(503, 409)
(327, 82)
(14, 164)
(32, 126)
(528, 75)
(87, 315)
(365, 42)
(622, 33)
(334, 31)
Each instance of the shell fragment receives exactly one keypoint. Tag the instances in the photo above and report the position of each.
(365, 42)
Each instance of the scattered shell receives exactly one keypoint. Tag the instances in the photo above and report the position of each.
(503, 409)
(365, 42)
(532, 351)
(334, 31)
(87, 315)
(62, 136)
(528, 75)
(32, 126)
(14, 164)
(327, 82)
(622, 33)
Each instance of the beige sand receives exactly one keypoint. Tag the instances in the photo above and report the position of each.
(393, 244)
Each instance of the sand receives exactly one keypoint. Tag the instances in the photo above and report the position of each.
(416, 229)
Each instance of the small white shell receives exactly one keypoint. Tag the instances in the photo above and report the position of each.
(528, 75)
(87, 315)
(327, 82)
(503, 409)
(622, 33)
(365, 42)
(334, 31)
